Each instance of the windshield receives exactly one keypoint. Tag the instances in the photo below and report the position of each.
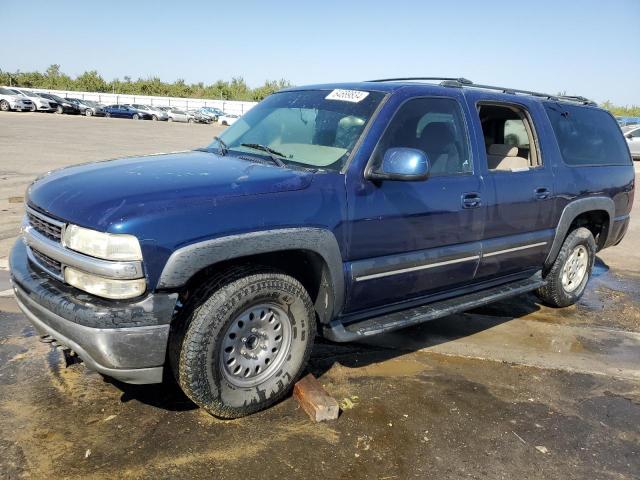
(316, 128)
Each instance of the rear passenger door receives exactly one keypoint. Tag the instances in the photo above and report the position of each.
(519, 199)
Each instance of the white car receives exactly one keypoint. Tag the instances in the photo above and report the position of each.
(228, 119)
(156, 113)
(40, 104)
(632, 136)
(10, 100)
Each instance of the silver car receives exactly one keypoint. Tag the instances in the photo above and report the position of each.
(632, 136)
(40, 104)
(156, 113)
(10, 100)
(177, 115)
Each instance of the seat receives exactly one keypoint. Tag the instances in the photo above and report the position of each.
(505, 157)
(438, 142)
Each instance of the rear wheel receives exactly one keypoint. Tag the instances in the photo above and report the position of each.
(107, 115)
(59, 110)
(4, 106)
(154, 118)
(190, 120)
(569, 274)
(170, 119)
(88, 112)
(244, 343)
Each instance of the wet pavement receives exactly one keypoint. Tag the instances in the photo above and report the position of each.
(514, 390)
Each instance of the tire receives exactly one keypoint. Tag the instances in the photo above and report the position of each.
(190, 120)
(230, 322)
(569, 274)
(107, 115)
(59, 110)
(88, 112)
(224, 123)
(136, 116)
(169, 119)
(34, 108)
(154, 118)
(4, 106)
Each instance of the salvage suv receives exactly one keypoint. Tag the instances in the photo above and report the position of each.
(346, 210)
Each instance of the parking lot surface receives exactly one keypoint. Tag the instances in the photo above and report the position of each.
(511, 390)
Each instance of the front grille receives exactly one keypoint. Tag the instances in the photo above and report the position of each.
(44, 227)
(47, 263)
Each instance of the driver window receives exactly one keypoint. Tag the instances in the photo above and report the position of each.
(435, 126)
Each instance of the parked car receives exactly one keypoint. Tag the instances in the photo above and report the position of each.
(201, 117)
(88, 108)
(633, 140)
(39, 104)
(125, 111)
(156, 113)
(179, 115)
(228, 119)
(216, 112)
(63, 106)
(10, 100)
(628, 121)
(206, 112)
(345, 210)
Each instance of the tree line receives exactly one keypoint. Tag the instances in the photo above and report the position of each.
(236, 89)
(91, 81)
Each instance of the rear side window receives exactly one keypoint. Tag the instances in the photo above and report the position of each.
(587, 136)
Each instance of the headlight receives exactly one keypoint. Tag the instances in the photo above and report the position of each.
(108, 246)
(104, 287)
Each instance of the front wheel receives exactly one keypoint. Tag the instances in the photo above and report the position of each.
(4, 106)
(88, 112)
(136, 116)
(245, 342)
(34, 108)
(107, 115)
(569, 274)
(154, 118)
(59, 110)
(190, 120)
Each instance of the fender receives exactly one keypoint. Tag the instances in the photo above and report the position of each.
(569, 214)
(188, 260)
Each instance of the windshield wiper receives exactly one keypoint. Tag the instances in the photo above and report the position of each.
(274, 154)
(223, 146)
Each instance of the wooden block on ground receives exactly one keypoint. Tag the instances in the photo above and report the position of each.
(314, 399)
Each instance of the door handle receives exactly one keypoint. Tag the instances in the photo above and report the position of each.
(542, 193)
(471, 200)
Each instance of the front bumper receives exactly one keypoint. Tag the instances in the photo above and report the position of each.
(123, 340)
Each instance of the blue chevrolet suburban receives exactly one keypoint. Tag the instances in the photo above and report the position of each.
(345, 210)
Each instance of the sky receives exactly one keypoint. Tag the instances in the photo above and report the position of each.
(586, 47)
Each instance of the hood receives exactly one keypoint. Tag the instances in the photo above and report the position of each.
(103, 194)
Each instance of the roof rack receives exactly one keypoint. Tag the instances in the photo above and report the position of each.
(463, 82)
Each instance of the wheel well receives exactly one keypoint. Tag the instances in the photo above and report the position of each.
(596, 221)
(306, 266)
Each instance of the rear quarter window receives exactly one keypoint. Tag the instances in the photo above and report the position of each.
(587, 136)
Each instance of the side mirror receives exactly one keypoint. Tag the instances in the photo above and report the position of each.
(404, 164)
(629, 136)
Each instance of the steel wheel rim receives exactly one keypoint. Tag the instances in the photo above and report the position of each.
(575, 268)
(255, 345)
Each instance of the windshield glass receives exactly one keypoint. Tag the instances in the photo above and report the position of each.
(316, 128)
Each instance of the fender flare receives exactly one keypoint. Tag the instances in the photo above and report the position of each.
(569, 214)
(187, 261)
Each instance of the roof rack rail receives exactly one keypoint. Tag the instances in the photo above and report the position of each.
(460, 80)
(463, 82)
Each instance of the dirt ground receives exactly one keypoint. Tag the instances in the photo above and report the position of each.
(514, 390)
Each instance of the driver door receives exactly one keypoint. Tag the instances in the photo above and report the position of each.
(411, 239)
